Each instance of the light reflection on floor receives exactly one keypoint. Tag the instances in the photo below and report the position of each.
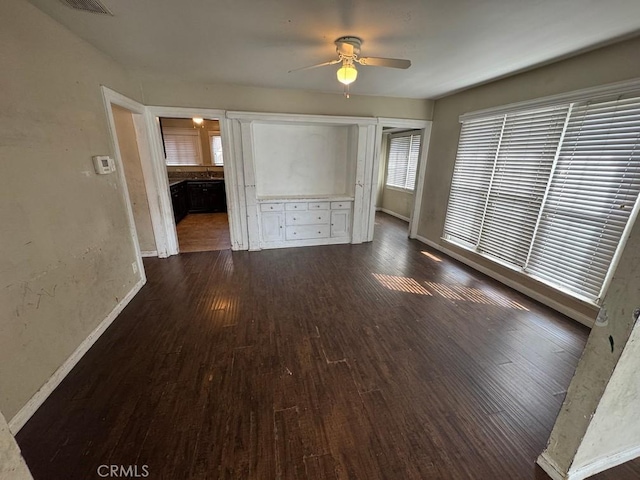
(401, 284)
(450, 292)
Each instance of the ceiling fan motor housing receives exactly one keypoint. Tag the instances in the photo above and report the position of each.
(348, 46)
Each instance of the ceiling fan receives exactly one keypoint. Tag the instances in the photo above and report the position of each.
(348, 49)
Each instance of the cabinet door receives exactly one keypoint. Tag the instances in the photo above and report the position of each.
(340, 223)
(175, 202)
(197, 200)
(217, 197)
(183, 201)
(221, 198)
(272, 227)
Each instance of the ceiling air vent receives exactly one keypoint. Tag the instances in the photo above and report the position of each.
(91, 6)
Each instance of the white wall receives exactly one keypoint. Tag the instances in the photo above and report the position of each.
(174, 92)
(606, 65)
(615, 427)
(296, 160)
(65, 242)
(12, 465)
(397, 201)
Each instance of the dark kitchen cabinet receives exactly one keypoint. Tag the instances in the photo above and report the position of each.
(206, 196)
(179, 201)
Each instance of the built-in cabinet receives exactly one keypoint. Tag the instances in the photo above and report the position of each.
(197, 196)
(291, 223)
(179, 201)
(206, 196)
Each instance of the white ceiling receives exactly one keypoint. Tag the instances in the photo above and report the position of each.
(453, 44)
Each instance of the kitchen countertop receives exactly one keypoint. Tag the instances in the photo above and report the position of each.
(176, 181)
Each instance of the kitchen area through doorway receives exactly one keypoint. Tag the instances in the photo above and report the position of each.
(195, 171)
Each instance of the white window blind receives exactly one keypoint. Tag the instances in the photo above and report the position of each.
(402, 160)
(182, 146)
(215, 143)
(471, 177)
(521, 173)
(592, 193)
(549, 191)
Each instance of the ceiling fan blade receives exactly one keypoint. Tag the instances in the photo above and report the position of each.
(385, 62)
(331, 62)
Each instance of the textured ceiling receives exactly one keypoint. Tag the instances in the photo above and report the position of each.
(453, 44)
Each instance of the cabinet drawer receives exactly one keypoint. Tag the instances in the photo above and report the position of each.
(340, 205)
(295, 206)
(307, 218)
(318, 205)
(305, 232)
(271, 207)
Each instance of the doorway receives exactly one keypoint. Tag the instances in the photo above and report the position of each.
(402, 147)
(127, 126)
(194, 163)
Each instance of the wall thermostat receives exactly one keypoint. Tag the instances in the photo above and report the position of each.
(103, 164)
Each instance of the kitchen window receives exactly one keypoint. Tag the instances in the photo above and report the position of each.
(402, 160)
(549, 191)
(215, 143)
(182, 146)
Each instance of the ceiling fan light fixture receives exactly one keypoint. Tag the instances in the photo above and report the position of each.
(347, 74)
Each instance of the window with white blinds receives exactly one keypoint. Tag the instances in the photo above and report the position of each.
(182, 146)
(471, 178)
(402, 160)
(521, 172)
(215, 144)
(559, 185)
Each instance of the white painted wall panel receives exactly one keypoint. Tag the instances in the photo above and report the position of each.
(304, 160)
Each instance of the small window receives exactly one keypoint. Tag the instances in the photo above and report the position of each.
(402, 160)
(182, 146)
(215, 143)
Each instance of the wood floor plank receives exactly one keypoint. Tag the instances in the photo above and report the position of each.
(376, 361)
(203, 232)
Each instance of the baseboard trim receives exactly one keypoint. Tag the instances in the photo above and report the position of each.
(550, 467)
(149, 253)
(603, 464)
(569, 312)
(394, 214)
(26, 412)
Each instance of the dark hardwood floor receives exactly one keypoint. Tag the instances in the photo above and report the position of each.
(204, 232)
(377, 361)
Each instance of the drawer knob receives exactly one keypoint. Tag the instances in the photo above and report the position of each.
(294, 218)
(271, 208)
(295, 233)
(319, 232)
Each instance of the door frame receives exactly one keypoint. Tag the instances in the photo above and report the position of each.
(237, 224)
(425, 127)
(110, 98)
